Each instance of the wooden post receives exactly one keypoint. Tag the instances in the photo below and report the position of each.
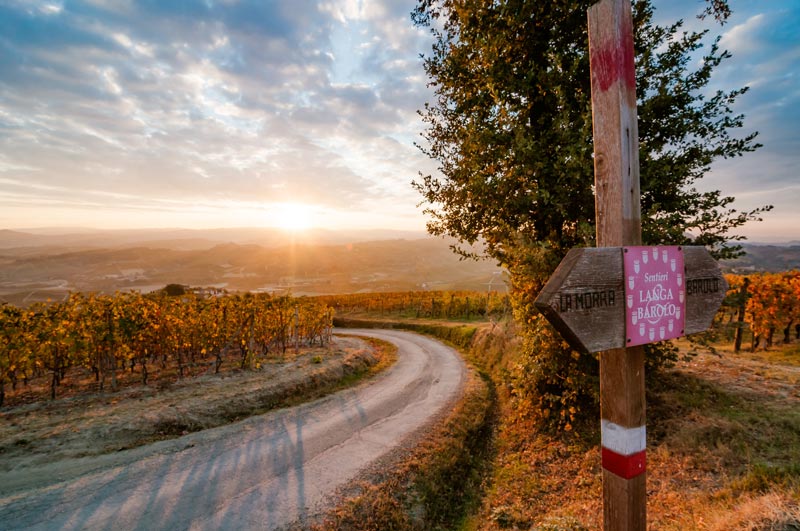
(618, 214)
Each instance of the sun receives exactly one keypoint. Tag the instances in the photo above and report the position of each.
(293, 217)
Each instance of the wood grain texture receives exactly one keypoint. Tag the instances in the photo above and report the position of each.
(592, 273)
(622, 386)
(626, 516)
(578, 300)
(705, 289)
(614, 124)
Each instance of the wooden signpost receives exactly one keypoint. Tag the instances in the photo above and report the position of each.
(590, 301)
(621, 295)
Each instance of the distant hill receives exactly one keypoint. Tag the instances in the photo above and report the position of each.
(59, 240)
(765, 258)
(29, 272)
(44, 264)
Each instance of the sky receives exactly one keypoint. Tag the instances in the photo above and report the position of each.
(292, 113)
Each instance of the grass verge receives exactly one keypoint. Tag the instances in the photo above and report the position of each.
(311, 386)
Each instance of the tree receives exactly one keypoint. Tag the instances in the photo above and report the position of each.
(174, 290)
(511, 129)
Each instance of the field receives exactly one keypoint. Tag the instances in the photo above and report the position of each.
(40, 269)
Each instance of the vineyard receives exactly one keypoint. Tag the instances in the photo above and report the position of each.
(759, 306)
(464, 305)
(756, 308)
(130, 338)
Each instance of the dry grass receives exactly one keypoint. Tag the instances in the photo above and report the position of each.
(723, 454)
(770, 511)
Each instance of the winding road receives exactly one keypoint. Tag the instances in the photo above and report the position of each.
(264, 472)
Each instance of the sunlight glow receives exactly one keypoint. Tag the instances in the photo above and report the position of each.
(293, 217)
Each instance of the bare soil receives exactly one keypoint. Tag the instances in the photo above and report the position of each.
(755, 375)
(44, 432)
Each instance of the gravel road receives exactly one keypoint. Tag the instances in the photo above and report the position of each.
(261, 473)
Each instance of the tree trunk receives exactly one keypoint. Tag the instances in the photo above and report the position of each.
(243, 355)
(113, 361)
(754, 342)
(218, 361)
(787, 333)
(53, 384)
(180, 363)
(110, 358)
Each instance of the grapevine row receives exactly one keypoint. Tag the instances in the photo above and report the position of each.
(763, 304)
(422, 304)
(108, 334)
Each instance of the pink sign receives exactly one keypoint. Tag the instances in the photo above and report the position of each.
(655, 294)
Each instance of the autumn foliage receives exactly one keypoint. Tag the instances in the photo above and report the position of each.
(764, 304)
(110, 336)
(423, 304)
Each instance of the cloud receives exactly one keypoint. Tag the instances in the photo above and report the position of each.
(745, 37)
(766, 57)
(169, 105)
(208, 101)
(762, 38)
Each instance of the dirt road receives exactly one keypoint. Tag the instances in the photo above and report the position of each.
(261, 473)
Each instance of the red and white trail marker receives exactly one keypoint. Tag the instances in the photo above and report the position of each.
(623, 449)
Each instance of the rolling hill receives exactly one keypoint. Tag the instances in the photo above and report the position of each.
(45, 268)
(47, 264)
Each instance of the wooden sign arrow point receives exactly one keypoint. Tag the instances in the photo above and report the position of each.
(584, 299)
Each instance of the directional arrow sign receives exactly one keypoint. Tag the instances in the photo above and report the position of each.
(599, 299)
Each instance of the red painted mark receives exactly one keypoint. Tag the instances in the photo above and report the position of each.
(625, 466)
(613, 60)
